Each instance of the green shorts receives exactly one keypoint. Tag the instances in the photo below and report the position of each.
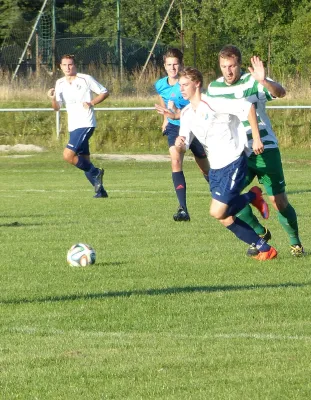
(269, 171)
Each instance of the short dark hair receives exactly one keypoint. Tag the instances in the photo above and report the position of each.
(193, 74)
(174, 53)
(70, 56)
(229, 51)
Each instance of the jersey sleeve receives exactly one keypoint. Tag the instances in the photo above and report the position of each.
(238, 107)
(156, 87)
(59, 94)
(96, 87)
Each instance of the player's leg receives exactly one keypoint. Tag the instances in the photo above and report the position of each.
(225, 186)
(96, 179)
(274, 182)
(288, 219)
(247, 234)
(100, 191)
(77, 153)
(178, 176)
(200, 157)
(246, 214)
(242, 230)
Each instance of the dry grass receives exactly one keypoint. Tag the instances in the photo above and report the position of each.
(298, 89)
(133, 84)
(34, 88)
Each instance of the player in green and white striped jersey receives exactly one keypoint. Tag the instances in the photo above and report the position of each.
(256, 87)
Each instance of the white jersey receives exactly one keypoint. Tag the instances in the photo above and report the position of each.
(73, 94)
(248, 87)
(214, 125)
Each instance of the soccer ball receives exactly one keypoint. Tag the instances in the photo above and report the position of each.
(81, 255)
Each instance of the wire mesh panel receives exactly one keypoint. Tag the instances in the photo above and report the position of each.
(56, 35)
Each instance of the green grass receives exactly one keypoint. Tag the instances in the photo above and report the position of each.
(169, 311)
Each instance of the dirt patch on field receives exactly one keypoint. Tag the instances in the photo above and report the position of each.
(136, 157)
(30, 148)
(21, 148)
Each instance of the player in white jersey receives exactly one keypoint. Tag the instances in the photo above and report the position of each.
(212, 124)
(75, 90)
(258, 89)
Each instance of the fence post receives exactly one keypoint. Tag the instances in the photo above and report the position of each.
(57, 124)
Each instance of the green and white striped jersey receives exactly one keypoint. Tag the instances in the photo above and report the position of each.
(249, 88)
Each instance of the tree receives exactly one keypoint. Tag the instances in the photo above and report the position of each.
(276, 30)
(10, 14)
(300, 38)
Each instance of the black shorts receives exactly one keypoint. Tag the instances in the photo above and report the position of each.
(79, 140)
(172, 131)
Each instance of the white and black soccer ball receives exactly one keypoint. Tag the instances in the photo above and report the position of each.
(81, 255)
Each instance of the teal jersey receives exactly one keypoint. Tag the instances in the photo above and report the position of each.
(247, 87)
(170, 92)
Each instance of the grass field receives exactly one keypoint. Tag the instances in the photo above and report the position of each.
(169, 311)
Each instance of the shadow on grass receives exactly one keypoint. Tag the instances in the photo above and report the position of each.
(297, 191)
(18, 224)
(156, 292)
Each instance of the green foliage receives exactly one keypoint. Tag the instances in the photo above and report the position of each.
(169, 311)
(278, 31)
(300, 35)
(9, 14)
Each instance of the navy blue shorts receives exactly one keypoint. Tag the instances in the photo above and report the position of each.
(79, 140)
(228, 182)
(172, 131)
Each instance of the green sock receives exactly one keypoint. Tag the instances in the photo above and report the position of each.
(288, 220)
(250, 219)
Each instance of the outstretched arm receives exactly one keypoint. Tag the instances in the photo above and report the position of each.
(258, 146)
(172, 113)
(258, 72)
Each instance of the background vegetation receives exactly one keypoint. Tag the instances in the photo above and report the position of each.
(279, 31)
(129, 131)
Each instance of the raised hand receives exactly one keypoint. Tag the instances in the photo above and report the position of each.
(257, 69)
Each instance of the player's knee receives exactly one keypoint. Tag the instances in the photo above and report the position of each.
(176, 161)
(68, 156)
(217, 213)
